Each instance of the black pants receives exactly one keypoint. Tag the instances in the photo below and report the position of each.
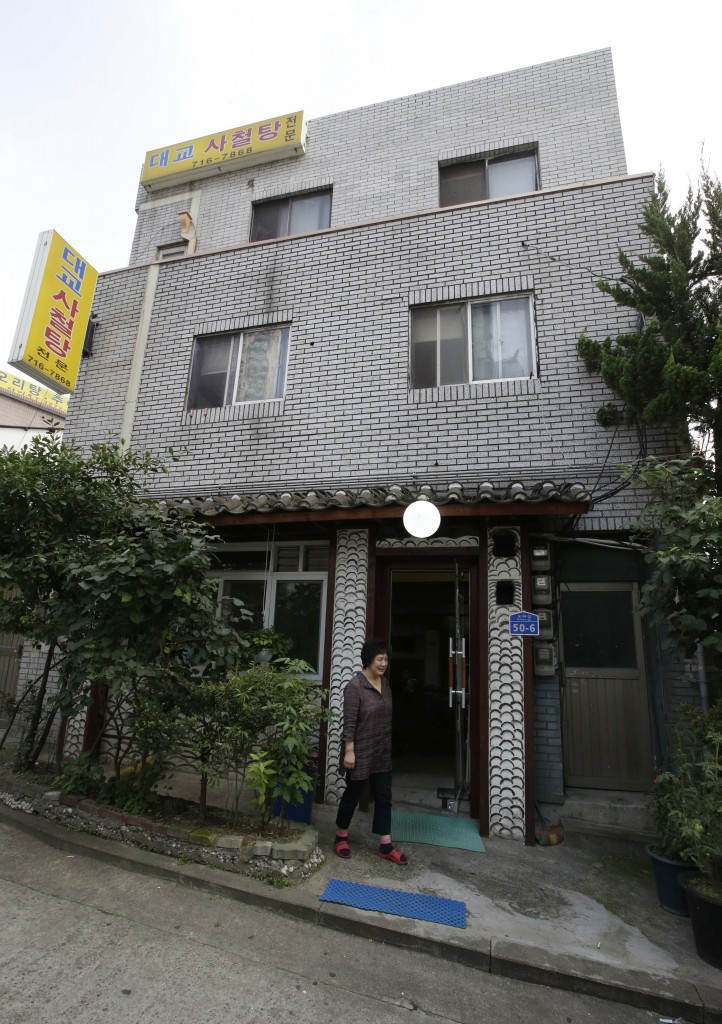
(381, 788)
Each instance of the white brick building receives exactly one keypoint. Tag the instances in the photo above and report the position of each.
(406, 324)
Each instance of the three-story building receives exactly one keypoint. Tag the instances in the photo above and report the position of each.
(386, 308)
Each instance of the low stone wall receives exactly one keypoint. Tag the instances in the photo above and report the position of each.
(293, 857)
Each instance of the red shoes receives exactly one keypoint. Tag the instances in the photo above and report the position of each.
(341, 847)
(395, 856)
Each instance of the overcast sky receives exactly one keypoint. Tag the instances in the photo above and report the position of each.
(88, 87)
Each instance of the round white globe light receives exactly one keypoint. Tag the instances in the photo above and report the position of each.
(421, 518)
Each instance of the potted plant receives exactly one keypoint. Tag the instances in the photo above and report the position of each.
(702, 835)
(284, 767)
(300, 808)
(670, 803)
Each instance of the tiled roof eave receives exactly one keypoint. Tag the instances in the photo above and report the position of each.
(396, 495)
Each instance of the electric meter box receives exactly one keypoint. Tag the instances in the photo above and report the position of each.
(544, 659)
(546, 623)
(541, 589)
(541, 556)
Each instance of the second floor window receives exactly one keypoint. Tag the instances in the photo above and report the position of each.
(293, 215)
(248, 366)
(472, 180)
(471, 341)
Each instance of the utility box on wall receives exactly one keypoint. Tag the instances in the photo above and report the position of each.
(541, 556)
(544, 659)
(546, 623)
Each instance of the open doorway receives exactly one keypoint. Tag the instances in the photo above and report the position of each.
(429, 676)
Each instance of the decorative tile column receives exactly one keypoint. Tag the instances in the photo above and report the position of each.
(506, 698)
(349, 633)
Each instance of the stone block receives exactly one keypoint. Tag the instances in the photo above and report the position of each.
(179, 832)
(229, 842)
(203, 837)
(290, 851)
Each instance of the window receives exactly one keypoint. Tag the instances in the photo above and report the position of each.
(246, 367)
(487, 179)
(473, 341)
(283, 587)
(173, 251)
(291, 216)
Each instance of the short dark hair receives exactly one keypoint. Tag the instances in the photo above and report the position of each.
(371, 649)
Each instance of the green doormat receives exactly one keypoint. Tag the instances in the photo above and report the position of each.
(436, 830)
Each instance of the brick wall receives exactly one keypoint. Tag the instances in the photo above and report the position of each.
(549, 773)
(383, 159)
(348, 416)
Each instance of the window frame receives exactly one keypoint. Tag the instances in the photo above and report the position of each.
(285, 206)
(468, 305)
(272, 577)
(483, 163)
(171, 251)
(234, 364)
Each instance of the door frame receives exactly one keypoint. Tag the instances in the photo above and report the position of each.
(386, 561)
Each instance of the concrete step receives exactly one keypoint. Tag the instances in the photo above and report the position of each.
(594, 818)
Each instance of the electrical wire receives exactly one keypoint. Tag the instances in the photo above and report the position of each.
(576, 266)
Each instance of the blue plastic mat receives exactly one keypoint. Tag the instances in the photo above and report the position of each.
(401, 904)
(436, 830)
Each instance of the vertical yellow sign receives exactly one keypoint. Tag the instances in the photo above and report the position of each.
(54, 316)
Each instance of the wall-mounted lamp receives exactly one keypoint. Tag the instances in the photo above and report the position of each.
(422, 518)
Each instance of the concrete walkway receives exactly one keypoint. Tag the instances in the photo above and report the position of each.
(583, 920)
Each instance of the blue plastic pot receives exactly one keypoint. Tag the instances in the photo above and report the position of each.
(295, 812)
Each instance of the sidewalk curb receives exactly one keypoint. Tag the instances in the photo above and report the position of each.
(697, 1003)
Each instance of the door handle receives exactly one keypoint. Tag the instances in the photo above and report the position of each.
(455, 654)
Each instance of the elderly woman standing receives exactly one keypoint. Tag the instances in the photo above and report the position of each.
(366, 752)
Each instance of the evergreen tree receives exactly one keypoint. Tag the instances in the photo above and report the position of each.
(669, 372)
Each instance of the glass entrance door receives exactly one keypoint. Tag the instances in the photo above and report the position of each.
(429, 675)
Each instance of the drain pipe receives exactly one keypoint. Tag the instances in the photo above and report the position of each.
(702, 680)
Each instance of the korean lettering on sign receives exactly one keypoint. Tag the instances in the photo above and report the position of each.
(278, 134)
(51, 331)
(21, 388)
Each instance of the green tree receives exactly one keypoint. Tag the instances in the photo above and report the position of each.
(683, 520)
(225, 713)
(669, 372)
(115, 585)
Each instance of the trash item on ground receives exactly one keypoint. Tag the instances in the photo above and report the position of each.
(546, 834)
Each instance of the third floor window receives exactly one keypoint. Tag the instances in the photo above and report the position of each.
(488, 178)
(293, 215)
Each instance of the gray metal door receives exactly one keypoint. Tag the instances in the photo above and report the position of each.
(606, 708)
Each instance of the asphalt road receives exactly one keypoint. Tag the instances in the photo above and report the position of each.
(82, 942)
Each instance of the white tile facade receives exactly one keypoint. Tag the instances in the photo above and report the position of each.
(348, 417)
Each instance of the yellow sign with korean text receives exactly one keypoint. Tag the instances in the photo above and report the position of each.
(18, 387)
(54, 316)
(228, 150)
